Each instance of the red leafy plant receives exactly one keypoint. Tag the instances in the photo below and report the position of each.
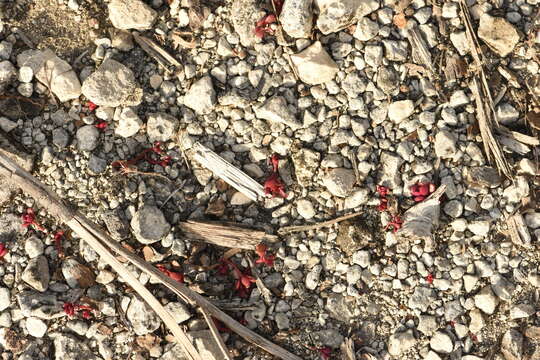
(325, 352)
(383, 192)
(264, 26)
(91, 106)
(243, 282)
(264, 257)
(172, 274)
(420, 191)
(273, 185)
(58, 236)
(146, 155)
(29, 219)
(3, 250)
(71, 309)
(429, 278)
(395, 223)
(102, 125)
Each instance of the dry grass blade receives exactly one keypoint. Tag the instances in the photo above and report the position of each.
(215, 334)
(347, 350)
(519, 234)
(159, 54)
(292, 229)
(50, 202)
(267, 295)
(180, 42)
(230, 174)
(225, 234)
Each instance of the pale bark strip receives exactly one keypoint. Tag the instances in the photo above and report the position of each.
(215, 333)
(292, 229)
(48, 200)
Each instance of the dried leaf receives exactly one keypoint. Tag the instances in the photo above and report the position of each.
(534, 119)
(180, 42)
(400, 20)
(216, 207)
(85, 276)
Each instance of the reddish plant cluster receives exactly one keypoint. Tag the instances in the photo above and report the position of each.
(71, 309)
(29, 219)
(325, 352)
(421, 191)
(264, 258)
(429, 278)
(273, 185)
(243, 282)
(172, 274)
(102, 125)
(264, 26)
(146, 155)
(396, 222)
(58, 236)
(3, 250)
(91, 106)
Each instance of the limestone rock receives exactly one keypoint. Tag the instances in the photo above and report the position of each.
(339, 181)
(201, 96)
(297, 18)
(314, 65)
(245, 14)
(498, 33)
(149, 224)
(131, 14)
(275, 109)
(36, 274)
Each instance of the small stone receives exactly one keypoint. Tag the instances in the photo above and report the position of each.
(201, 96)
(282, 321)
(149, 224)
(5, 298)
(121, 40)
(400, 110)
(460, 42)
(362, 258)
(36, 274)
(77, 275)
(87, 138)
(69, 347)
(533, 220)
(452, 310)
(314, 65)
(129, 123)
(305, 209)
(401, 342)
(36, 327)
(179, 311)
(486, 301)
(441, 343)
(521, 311)
(498, 33)
(33, 247)
(335, 15)
(390, 174)
(26, 74)
(480, 227)
(339, 181)
(142, 318)
(297, 18)
(131, 14)
(328, 337)
(477, 321)
(421, 298)
(5, 50)
(275, 109)
(445, 144)
(357, 198)
(312, 278)
(161, 127)
(470, 282)
(112, 84)
(512, 345)
(8, 72)
(366, 29)
(453, 208)
(427, 324)
(502, 287)
(483, 176)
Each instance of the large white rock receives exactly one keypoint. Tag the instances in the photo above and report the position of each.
(297, 18)
(52, 71)
(131, 14)
(339, 181)
(400, 110)
(401, 342)
(498, 33)
(445, 144)
(112, 84)
(201, 96)
(314, 66)
(334, 15)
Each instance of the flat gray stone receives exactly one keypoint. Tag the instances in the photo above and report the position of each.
(131, 14)
(36, 274)
(161, 127)
(143, 319)
(149, 224)
(275, 109)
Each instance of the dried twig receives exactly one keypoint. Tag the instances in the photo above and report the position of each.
(230, 174)
(420, 51)
(215, 333)
(267, 295)
(292, 229)
(225, 234)
(50, 202)
(159, 54)
(519, 234)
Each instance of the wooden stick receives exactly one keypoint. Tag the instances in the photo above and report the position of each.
(225, 234)
(13, 173)
(48, 200)
(266, 294)
(292, 229)
(347, 350)
(215, 333)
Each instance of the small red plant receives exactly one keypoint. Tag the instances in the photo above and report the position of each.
(264, 26)
(264, 258)
(71, 309)
(222, 268)
(325, 352)
(146, 155)
(383, 204)
(429, 278)
(395, 223)
(473, 337)
(221, 327)
(91, 106)
(58, 236)
(29, 219)
(102, 125)
(243, 281)
(273, 185)
(382, 190)
(421, 191)
(172, 274)
(3, 250)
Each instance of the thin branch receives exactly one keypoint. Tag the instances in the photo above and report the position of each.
(292, 229)
(215, 333)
